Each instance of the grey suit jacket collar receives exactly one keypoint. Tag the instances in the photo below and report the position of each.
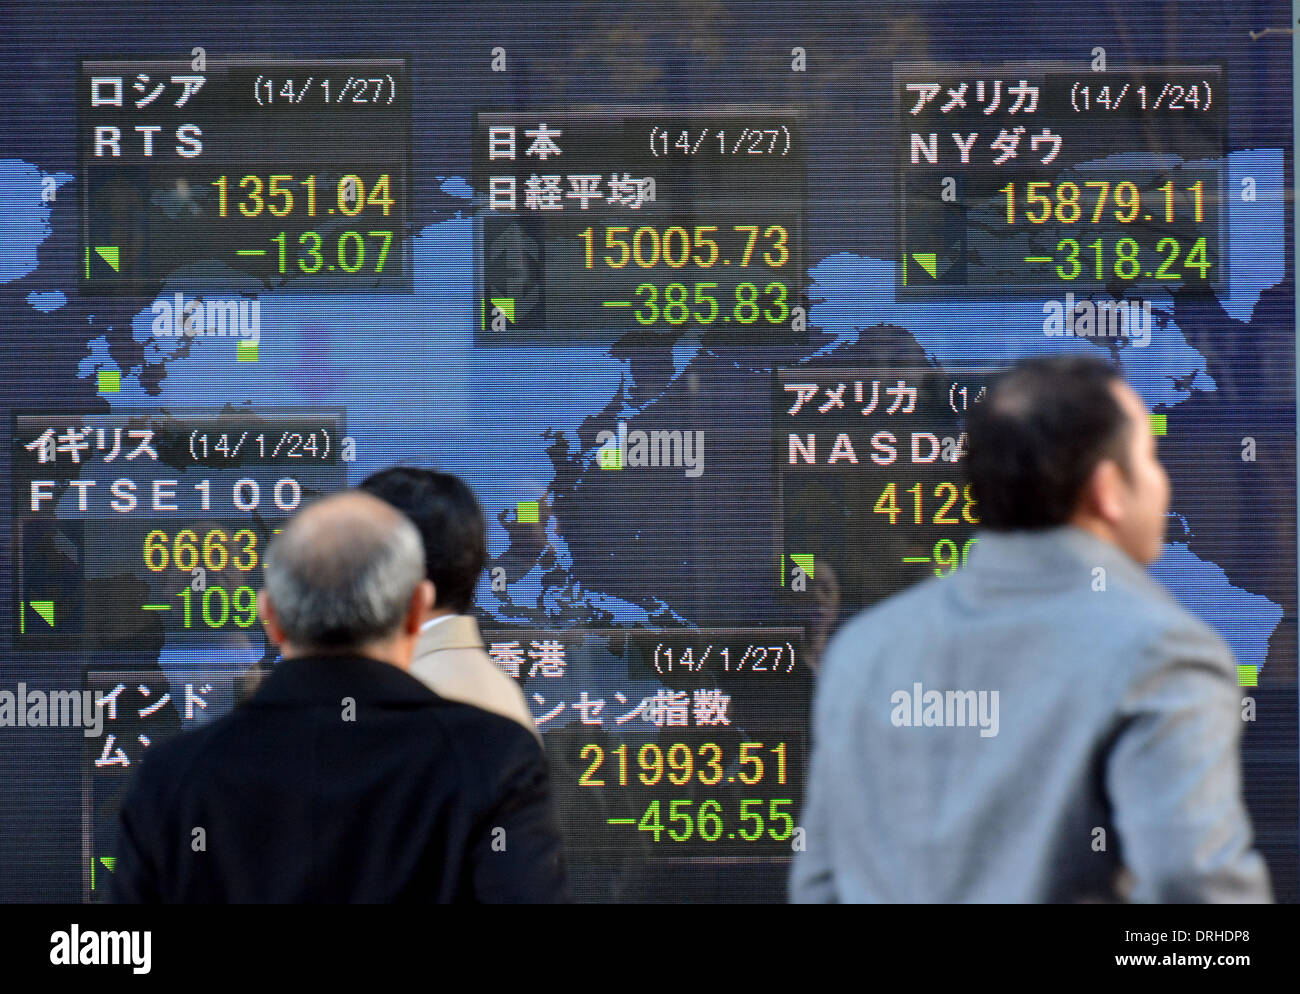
(457, 632)
(1050, 550)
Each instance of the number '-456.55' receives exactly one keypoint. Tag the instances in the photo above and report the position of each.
(707, 821)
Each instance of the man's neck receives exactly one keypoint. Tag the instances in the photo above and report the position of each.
(431, 618)
(1099, 529)
(395, 652)
(1095, 527)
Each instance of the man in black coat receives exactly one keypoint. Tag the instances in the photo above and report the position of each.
(344, 779)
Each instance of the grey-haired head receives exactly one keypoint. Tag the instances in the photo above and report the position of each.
(342, 574)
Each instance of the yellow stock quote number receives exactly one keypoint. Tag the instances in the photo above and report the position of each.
(679, 764)
(675, 247)
(945, 493)
(1066, 203)
(276, 196)
(216, 551)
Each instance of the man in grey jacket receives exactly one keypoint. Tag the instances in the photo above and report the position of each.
(1047, 723)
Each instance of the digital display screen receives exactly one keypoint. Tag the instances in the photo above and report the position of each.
(657, 223)
(221, 172)
(1058, 179)
(697, 305)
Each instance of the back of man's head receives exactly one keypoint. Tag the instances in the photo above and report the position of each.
(342, 574)
(451, 526)
(1035, 440)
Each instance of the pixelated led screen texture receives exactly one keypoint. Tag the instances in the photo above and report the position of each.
(695, 297)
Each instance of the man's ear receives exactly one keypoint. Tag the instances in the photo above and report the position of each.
(421, 602)
(1104, 492)
(270, 622)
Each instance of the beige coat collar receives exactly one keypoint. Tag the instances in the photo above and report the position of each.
(457, 632)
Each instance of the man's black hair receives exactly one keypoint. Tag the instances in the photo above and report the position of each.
(1033, 442)
(450, 522)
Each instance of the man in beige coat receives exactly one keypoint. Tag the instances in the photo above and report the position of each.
(449, 656)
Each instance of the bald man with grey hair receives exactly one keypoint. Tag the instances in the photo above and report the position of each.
(344, 778)
(342, 578)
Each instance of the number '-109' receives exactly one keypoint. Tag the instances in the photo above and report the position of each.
(216, 607)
